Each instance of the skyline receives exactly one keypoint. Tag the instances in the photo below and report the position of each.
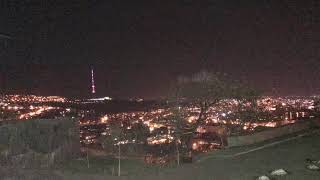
(138, 50)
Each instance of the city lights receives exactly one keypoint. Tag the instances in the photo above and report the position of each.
(159, 121)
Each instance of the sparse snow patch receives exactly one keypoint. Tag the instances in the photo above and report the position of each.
(313, 167)
(263, 178)
(279, 172)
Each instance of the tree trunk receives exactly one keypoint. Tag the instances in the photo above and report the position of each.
(88, 163)
(178, 154)
(200, 115)
(119, 161)
(203, 111)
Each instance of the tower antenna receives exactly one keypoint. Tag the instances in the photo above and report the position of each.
(93, 86)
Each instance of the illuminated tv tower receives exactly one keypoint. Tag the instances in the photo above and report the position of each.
(93, 87)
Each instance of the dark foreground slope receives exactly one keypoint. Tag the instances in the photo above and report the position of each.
(289, 155)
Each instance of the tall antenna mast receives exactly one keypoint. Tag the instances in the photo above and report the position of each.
(93, 87)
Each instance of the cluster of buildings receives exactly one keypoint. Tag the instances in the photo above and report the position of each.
(23, 107)
(30, 99)
(271, 112)
(274, 112)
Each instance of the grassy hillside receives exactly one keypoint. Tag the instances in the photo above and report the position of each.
(290, 155)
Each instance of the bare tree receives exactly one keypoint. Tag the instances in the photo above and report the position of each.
(206, 89)
(181, 130)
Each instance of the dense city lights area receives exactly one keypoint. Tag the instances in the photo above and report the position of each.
(31, 99)
(270, 103)
(13, 112)
(223, 113)
(274, 112)
(23, 107)
(36, 111)
(158, 123)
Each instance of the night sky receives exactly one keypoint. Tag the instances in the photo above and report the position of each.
(139, 48)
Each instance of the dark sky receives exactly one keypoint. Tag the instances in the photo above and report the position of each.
(138, 48)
